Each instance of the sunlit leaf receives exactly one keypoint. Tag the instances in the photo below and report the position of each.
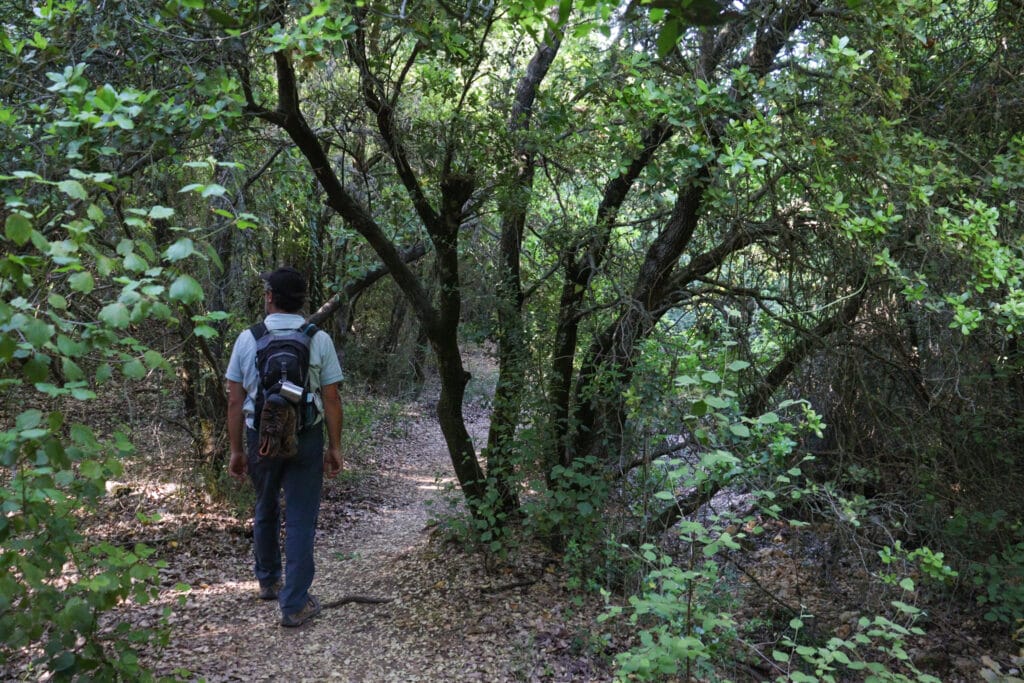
(186, 290)
(73, 189)
(181, 249)
(81, 282)
(18, 229)
(116, 315)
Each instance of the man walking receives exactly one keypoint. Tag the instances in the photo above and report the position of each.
(301, 476)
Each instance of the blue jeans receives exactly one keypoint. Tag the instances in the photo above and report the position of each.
(300, 478)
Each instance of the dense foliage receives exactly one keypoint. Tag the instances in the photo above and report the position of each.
(774, 247)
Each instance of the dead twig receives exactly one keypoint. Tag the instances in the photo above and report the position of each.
(363, 599)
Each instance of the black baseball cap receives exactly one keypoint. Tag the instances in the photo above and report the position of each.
(288, 286)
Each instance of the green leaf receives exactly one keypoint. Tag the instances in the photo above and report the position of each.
(907, 584)
(71, 370)
(69, 347)
(7, 347)
(716, 402)
(738, 365)
(158, 212)
(106, 98)
(37, 332)
(135, 263)
(153, 359)
(222, 18)
(134, 369)
(18, 229)
(103, 373)
(81, 282)
(51, 390)
(711, 377)
(186, 290)
(73, 189)
(63, 661)
(668, 37)
(76, 614)
(181, 249)
(30, 419)
(214, 190)
(205, 331)
(116, 315)
(664, 495)
(739, 429)
(82, 394)
(37, 369)
(585, 508)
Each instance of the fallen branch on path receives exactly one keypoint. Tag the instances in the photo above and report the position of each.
(507, 587)
(364, 599)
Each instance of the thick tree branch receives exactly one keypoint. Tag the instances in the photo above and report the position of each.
(339, 199)
(360, 284)
(384, 111)
(705, 262)
(756, 402)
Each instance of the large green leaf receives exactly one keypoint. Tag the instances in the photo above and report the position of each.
(18, 229)
(73, 189)
(81, 282)
(117, 315)
(186, 290)
(181, 249)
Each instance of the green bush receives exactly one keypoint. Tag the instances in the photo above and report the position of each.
(68, 312)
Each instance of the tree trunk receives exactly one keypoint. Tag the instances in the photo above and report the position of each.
(441, 323)
(512, 353)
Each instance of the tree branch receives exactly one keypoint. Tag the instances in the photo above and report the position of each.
(373, 95)
(359, 285)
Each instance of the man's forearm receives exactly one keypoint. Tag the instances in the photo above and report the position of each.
(236, 397)
(333, 415)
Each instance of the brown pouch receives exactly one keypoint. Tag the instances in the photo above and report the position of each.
(278, 433)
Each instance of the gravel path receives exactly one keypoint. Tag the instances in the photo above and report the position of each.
(451, 618)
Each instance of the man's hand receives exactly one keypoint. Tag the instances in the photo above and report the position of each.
(238, 465)
(332, 462)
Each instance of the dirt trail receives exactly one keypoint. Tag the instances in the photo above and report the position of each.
(450, 618)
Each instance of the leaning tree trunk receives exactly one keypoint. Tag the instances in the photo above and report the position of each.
(441, 322)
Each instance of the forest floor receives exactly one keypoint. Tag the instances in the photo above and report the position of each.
(450, 616)
(453, 613)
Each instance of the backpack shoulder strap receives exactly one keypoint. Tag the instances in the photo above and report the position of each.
(258, 330)
(309, 330)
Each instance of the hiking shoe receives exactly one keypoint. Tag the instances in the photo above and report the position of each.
(311, 609)
(270, 591)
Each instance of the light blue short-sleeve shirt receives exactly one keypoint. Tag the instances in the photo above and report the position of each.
(324, 368)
